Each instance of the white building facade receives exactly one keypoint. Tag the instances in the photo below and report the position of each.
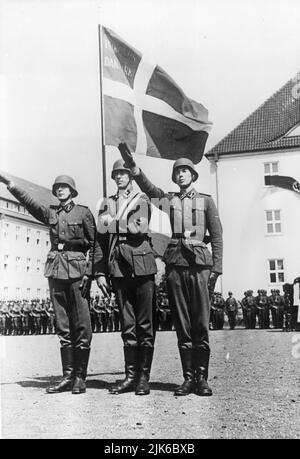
(24, 243)
(260, 223)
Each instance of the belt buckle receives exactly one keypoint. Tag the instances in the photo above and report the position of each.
(60, 246)
(122, 238)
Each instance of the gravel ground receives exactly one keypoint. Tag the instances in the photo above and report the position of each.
(254, 376)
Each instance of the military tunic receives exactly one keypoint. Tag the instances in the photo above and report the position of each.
(188, 260)
(130, 264)
(72, 235)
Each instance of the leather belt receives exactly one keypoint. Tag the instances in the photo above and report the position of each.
(190, 241)
(131, 237)
(63, 246)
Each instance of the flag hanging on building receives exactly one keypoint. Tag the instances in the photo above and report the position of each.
(145, 108)
(281, 181)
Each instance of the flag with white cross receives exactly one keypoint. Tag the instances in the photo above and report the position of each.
(144, 107)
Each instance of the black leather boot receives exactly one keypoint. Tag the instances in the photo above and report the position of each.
(201, 363)
(187, 387)
(145, 355)
(81, 363)
(129, 383)
(66, 383)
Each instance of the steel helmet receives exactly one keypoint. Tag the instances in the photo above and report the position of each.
(66, 180)
(184, 162)
(119, 165)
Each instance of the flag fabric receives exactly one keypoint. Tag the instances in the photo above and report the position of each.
(297, 299)
(281, 181)
(144, 107)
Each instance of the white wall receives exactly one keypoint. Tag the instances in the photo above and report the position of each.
(243, 199)
(15, 276)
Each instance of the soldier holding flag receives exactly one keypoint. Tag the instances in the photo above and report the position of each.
(191, 270)
(130, 268)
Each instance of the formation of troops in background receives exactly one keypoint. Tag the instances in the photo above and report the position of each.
(262, 311)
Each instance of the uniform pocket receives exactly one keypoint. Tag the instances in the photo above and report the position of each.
(75, 230)
(203, 256)
(77, 264)
(50, 265)
(144, 263)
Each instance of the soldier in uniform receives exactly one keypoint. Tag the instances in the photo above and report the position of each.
(262, 306)
(31, 317)
(250, 309)
(93, 315)
(123, 232)
(288, 307)
(116, 315)
(2, 320)
(36, 313)
(109, 314)
(72, 235)
(52, 321)
(9, 318)
(102, 315)
(16, 318)
(25, 317)
(231, 309)
(277, 303)
(191, 270)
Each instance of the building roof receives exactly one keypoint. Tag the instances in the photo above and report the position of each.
(267, 128)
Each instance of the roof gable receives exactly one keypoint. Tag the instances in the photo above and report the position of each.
(267, 128)
(39, 193)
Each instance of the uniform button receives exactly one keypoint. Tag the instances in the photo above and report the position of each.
(62, 232)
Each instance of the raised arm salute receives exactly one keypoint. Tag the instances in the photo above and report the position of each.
(75, 258)
(191, 270)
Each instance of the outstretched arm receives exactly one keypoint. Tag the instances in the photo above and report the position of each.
(36, 209)
(143, 182)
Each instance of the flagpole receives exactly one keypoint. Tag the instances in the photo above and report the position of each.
(102, 113)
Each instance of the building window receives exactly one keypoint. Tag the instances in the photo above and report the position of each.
(5, 257)
(273, 221)
(271, 168)
(38, 291)
(276, 271)
(5, 266)
(18, 258)
(17, 232)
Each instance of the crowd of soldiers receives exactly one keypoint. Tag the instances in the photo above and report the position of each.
(254, 311)
(24, 317)
(262, 311)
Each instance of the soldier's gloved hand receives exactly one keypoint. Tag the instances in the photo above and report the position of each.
(212, 282)
(103, 285)
(4, 179)
(127, 156)
(85, 287)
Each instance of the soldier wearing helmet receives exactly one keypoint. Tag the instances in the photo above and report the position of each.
(191, 270)
(74, 258)
(231, 309)
(130, 268)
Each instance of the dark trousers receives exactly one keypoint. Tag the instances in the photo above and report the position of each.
(231, 319)
(73, 322)
(135, 300)
(190, 305)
